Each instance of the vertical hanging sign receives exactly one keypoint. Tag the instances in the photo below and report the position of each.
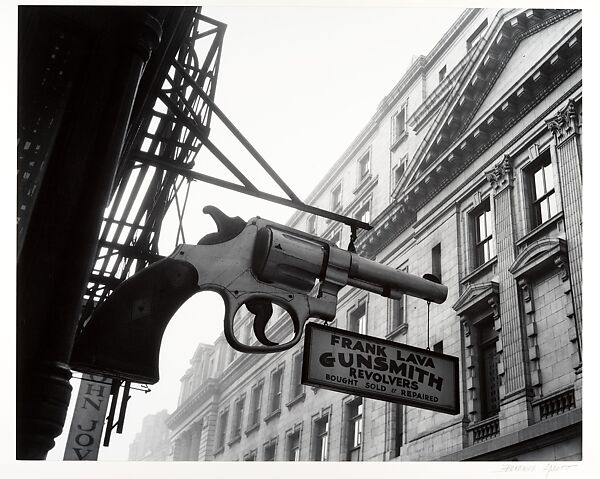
(89, 415)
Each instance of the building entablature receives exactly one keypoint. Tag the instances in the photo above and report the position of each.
(208, 392)
(457, 146)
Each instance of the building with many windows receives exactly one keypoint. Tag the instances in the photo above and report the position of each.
(470, 169)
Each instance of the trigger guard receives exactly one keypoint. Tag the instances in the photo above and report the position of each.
(234, 302)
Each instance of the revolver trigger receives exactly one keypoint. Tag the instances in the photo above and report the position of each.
(262, 310)
(227, 227)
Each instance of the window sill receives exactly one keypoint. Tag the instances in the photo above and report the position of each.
(540, 228)
(252, 428)
(273, 415)
(399, 140)
(485, 267)
(402, 329)
(295, 400)
(234, 440)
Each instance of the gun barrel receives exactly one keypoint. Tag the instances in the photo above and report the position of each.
(381, 279)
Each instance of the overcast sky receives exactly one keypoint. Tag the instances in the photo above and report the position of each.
(300, 83)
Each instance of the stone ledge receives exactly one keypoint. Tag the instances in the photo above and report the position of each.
(528, 439)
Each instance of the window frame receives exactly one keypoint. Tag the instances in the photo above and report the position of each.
(354, 421)
(364, 206)
(296, 377)
(484, 344)
(238, 418)
(251, 455)
(364, 173)
(402, 162)
(336, 194)
(273, 393)
(255, 409)
(540, 163)
(484, 207)
(395, 304)
(296, 431)
(436, 260)
(222, 430)
(397, 133)
(362, 302)
(320, 448)
(270, 443)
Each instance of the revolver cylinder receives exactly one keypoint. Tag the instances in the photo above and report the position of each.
(288, 259)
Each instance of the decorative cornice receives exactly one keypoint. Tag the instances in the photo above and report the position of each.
(501, 175)
(476, 296)
(209, 388)
(538, 255)
(564, 122)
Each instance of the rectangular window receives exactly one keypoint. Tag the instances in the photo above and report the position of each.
(436, 261)
(321, 438)
(439, 347)
(364, 166)
(398, 125)
(222, 429)
(311, 224)
(255, 400)
(238, 415)
(476, 35)
(276, 384)
(250, 456)
(398, 310)
(543, 197)
(357, 320)
(488, 361)
(336, 197)
(398, 172)
(364, 212)
(354, 410)
(483, 234)
(269, 450)
(293, 446)
(297, 388)
(442, 74)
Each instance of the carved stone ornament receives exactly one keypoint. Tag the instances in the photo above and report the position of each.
(501, 175)
(562, 264)
(564, 122)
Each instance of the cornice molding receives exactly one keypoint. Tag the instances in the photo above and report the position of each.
(477, 296)
(190, 405)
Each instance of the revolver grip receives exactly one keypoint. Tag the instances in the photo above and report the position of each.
(124, 334)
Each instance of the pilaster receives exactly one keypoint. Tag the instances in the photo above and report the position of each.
(206, 448)
(196, 435)
(565, 128)
(514, 409)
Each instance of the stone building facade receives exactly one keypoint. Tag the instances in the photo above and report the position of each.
(471, 169)
(152, 442)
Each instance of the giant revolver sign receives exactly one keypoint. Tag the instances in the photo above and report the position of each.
(372, 367)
